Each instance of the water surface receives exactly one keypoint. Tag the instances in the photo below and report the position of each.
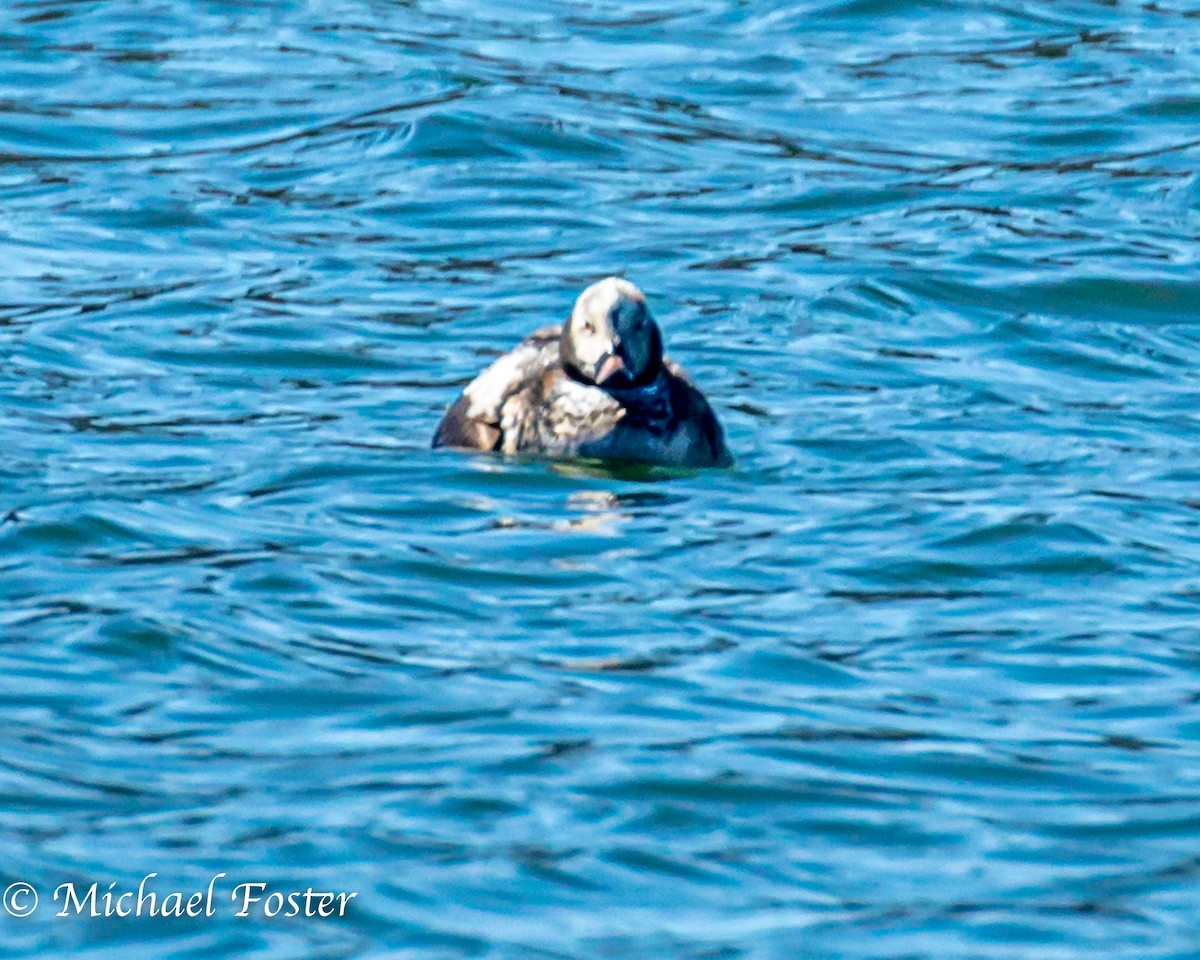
(917, 679)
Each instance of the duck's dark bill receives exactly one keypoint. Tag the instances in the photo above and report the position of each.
(611, 367)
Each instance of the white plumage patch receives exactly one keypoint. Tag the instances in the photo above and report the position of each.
(580, 401)
(487, 391)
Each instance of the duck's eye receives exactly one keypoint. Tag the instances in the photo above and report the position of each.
(589, 327)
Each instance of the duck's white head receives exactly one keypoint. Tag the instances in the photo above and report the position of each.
(611, 340)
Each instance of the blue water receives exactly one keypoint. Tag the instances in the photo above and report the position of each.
(920, 678)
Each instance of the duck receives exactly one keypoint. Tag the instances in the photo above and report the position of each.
(596, 387)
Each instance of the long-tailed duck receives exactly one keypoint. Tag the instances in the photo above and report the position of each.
(597, 386)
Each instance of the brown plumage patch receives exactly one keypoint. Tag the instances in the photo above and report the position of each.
(459, 430)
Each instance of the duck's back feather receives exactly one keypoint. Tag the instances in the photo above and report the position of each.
(473, 421)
